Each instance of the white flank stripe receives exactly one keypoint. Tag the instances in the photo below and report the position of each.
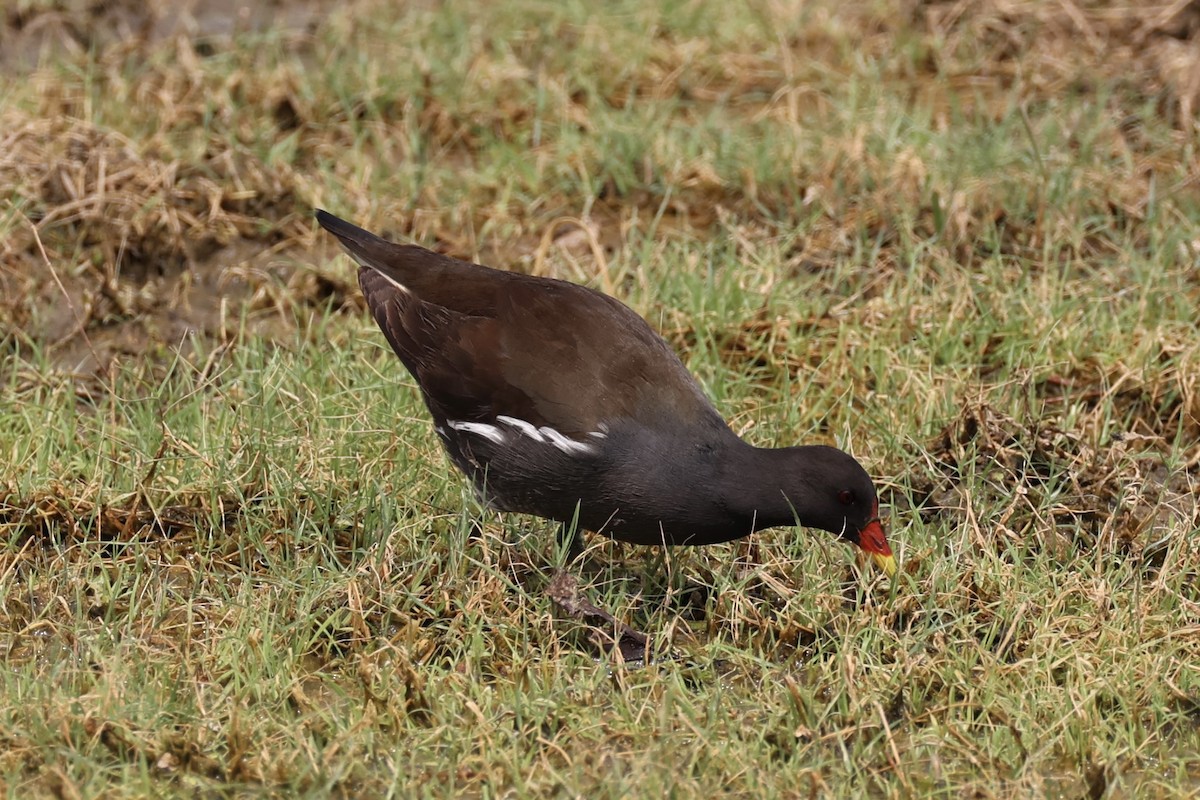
(523, 426)
(481, 428)
(567, 445)
(548, 435)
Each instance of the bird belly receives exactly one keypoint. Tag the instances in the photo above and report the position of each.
(583, 486)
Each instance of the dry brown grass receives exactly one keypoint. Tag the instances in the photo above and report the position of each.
(961, 236)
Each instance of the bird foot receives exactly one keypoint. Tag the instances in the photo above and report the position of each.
(608, 632)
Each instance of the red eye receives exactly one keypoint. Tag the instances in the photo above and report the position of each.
(846, 497)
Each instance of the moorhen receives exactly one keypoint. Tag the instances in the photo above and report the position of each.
(561, 402)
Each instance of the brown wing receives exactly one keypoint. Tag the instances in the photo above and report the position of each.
(551, 353)
(482, 343)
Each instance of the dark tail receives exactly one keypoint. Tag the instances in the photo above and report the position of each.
(349, 233)
(363, 246)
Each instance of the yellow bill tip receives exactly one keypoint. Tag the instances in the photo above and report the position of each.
(886, 563)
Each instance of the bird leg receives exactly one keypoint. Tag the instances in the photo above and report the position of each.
(570, 541)
(608, 632)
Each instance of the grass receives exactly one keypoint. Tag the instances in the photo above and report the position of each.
(958, 240)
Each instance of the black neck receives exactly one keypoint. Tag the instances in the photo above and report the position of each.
(766, 484)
